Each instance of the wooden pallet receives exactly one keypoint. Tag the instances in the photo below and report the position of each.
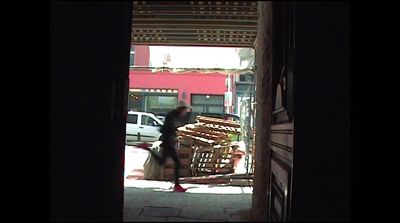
(210, 160)
(231, 179)
(211, 145)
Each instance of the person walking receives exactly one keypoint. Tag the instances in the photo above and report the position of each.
(173, 120)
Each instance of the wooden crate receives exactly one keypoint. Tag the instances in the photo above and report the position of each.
(210, 144)
(209, 160)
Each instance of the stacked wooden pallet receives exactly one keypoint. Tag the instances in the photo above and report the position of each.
(212, 160)
(212, 149)
(231, 179)
(200, 135)
(220, 125)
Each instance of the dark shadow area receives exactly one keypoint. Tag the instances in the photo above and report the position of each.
(321, 177)
(89, 62)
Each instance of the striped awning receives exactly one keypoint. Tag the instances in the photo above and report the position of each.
(194, 23)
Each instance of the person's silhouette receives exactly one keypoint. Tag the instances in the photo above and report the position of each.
(173, 120)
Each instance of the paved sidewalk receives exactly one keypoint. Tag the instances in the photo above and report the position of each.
(154, 201)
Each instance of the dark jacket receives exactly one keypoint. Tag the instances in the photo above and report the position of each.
(171, 123)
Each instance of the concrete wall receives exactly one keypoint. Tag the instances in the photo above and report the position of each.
(263, 112)
(188, 83)
(142, 55)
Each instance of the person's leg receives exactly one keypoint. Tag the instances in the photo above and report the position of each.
(177, 161)
(174, 156)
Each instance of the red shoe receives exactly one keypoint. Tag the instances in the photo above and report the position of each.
(179, 188)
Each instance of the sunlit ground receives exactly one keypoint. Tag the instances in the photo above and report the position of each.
(134, 160)
(165, 186)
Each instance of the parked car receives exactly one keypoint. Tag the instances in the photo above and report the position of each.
(142, 127)
(161, 117)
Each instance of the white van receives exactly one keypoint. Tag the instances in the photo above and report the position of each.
(142, 127)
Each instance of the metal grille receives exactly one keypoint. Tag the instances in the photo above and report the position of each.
(194, 23)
